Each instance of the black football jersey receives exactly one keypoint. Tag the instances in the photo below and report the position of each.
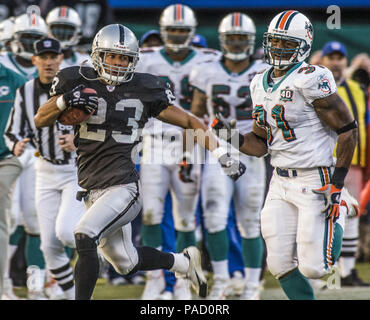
(106, 141)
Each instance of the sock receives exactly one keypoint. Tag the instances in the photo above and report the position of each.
(64, 276)
(87, 267)
(346, 264)
(151, 259)
(16, 236)
(70, 293)
(184, 240)
(220, 268)
(252, 275)
(180, 264)
(34, 256)
(218, 245)
(151, 235)
(296, 286)
(252, 251)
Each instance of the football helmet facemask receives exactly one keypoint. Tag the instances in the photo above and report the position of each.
(180, 17)
(64, 24)
(27, 29)
(290, 26)
(237, 34)
(117, 39)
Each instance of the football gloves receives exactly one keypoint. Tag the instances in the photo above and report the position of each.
(185, 170)
(332, 196)
(223, 128)
(77, 98)
(232, 167)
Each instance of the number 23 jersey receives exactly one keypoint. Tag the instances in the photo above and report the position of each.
(296, 137)
(105, 142)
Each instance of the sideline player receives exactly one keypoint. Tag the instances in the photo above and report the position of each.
(106, 148)
(298, 116)
(223, 87)
(57, 209)
(173, 63)
(64, 24)
(27, 29)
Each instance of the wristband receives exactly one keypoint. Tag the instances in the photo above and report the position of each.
(61, 104)
(338, 176)
(218, 152)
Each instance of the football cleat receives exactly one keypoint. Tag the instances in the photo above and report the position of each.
(154, 285)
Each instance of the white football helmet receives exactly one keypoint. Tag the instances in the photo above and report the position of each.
(237, 23)
(118, 39)
(64, 24)
(28, 28)
(6, 33)
(293, 26)
(180, 17)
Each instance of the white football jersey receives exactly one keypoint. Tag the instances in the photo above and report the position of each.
(155, 61)
(76, 60)
(227, 92)
(7, 59)
(297, 138)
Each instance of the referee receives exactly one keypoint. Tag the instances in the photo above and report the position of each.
(56, 174)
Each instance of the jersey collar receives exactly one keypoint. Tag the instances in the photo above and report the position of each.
(235, 73)
(266, 86)
(171, 62)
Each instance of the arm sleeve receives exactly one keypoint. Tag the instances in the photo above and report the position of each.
(17, 127)
(317, 85)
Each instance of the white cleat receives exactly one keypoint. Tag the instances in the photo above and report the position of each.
(166, 295)
(195, 273)
(182, 290)
(251, 291)
(8, 293)
(219, 288)
(36, 295)
(155, 284)
(53, 291)
(236, 285)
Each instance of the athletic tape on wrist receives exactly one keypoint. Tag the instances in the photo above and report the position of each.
(61, 104)
(218, 152)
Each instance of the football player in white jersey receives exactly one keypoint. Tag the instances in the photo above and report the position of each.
(223, 87)
(298, 116)
(6, 35)
(64, 24)
(27, 29)
(163, 142)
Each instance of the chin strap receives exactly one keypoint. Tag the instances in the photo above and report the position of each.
(83, 76)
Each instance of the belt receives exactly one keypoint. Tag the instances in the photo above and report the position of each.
(57, 161)
(289, 173)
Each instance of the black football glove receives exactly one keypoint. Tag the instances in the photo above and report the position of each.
(232, 167)
(77, 98)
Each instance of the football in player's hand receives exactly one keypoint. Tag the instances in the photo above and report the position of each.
(72, 115)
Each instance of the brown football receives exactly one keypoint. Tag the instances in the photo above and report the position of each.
(73, 116)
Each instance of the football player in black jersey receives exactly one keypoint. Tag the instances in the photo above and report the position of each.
(106, 145)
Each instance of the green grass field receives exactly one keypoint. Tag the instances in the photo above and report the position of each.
(271, 291)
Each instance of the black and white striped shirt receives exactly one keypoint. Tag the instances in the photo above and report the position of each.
(21, 125)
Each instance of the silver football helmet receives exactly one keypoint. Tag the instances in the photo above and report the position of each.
(239, 24)
(64, 24)
(118, 39)
(27, 29)
(177, 16)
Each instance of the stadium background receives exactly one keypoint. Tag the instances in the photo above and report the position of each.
(143, 15)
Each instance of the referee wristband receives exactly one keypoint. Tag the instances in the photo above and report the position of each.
(218, 152)
(61, 104)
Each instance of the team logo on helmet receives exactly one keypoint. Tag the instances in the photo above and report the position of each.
(309, 29)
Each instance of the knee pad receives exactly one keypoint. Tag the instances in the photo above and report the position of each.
(84, 243)
(216, 221)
